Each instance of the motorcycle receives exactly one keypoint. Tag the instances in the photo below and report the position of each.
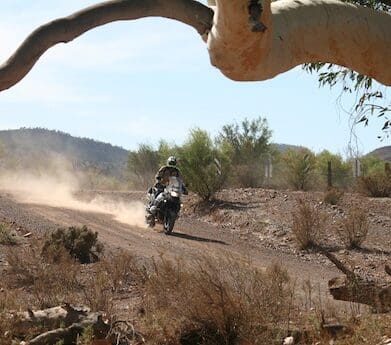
(164, 208)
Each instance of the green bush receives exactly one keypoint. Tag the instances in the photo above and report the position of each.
(203, 167)
(80, 242)
(5, 236)
(246, 145)
(143, 165)
(341, 171)
(299, 168)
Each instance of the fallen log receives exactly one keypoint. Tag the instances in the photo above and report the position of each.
(64, 323)
(354, 288)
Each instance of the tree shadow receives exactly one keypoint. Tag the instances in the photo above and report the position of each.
(367, 250)
(337, 248)
(196, 238)
(233, 205)
(205, 207)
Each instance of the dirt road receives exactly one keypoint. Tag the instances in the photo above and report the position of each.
(191, 237)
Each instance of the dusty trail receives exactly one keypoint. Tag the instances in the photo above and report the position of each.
(190, 238)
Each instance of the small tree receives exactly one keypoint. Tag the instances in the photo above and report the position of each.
(341, 170)
(299, 167)
(372, 165)
(376, 180)
(143, 164)
(203, 167)
(246, 145)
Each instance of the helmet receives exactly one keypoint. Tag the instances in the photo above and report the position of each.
(171, 161)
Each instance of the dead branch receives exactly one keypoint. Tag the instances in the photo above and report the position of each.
(66, 29)
(354, 288)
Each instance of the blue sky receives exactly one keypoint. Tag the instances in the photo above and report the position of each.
(138, 81)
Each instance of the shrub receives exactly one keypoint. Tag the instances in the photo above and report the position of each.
(204, 169)
(49, 283)
(353, 228)
(332, 196)
(376, 185)
(80, 242)
(246, 145)
(143, 164)
(215, 301)
(5, 236)
(341, 171)
(307, 225)
(299, 166)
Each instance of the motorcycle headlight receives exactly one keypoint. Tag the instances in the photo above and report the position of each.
(174, 194)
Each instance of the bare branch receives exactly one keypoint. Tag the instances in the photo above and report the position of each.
(66, 29)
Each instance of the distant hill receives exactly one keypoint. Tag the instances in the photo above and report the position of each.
(26, 146)
(383, 153)
(286, 147)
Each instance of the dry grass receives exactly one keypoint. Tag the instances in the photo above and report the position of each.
(215, 301)
(353, 228)
(49, 283)
(34, 281)
(333, 196)
(368, 329)
(308, 225)
(377, 185)
(197, 301)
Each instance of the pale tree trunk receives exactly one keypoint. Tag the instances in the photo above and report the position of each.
(66, 29)
(290, 32)
(300, 31)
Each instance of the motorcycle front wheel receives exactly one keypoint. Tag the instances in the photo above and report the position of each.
(169, 222)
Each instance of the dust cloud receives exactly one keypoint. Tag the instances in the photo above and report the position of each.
(58, 189)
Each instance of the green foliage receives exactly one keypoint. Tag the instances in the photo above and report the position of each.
(80, 242)
(166, 150)
(371, 165)
(144, 163)
(204, 168)
(246, 146)
(5, 236)
(371, 97)
(86, 337)
(341, 170)
(299, 167)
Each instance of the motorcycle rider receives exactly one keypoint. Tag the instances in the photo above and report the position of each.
(162, 178)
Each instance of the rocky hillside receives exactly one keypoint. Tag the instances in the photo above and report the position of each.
(383, 153)
(30, 147)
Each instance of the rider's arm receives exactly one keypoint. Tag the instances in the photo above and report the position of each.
(159, 174)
